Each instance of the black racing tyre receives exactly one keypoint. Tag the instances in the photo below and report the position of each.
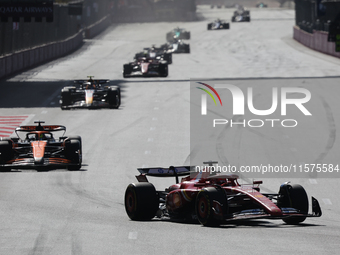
(293, 196)
(163, 70)
(187, 48)
(168, 57)
(66, 97)
(127, 69)
(6, 151)
(75, 137)
(139, 55)
(233, 19)
(73, 152)
(209, 26)
(186, 35)
(141, 201)
(114, 97)
(207, 215)
(226, 25)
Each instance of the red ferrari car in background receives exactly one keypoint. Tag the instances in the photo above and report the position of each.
(214, 199)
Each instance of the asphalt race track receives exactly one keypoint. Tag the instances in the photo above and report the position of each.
(82, 212)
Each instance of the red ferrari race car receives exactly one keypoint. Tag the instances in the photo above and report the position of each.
(214, 199)
(36, 148)
(146, 67)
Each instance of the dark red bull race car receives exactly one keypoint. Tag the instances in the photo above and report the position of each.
(214, 199)
(35, 147)
(91, 94)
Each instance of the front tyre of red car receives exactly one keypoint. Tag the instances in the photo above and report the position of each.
(293, 196)
(211, 206)
(141, 201)
(163, 70)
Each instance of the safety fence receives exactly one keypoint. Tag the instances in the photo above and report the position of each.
(318, 25)
(316, 41)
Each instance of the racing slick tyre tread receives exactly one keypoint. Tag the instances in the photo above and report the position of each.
(209, 26)
(6, 152)
(66, 98)
(226, 25)
(294, 196)
(113, 97)
(168, 57)
(163, 70)
(207, 215)
(127, 69)
(73, 152)
(141, 201)
(187, 48)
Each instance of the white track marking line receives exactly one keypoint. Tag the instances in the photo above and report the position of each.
(313, 181)
(133, 235)
(327, 201)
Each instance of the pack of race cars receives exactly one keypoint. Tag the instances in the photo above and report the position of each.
(154, 61)
(240, 15)
(211, 199)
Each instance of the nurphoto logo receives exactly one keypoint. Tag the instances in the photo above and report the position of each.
(241, 103)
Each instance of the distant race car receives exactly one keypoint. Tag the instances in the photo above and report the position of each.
(218, 24)
(155, 53)
(178, 33)
(241, 15)
(35, 147)
(176, 46)
(146, 67)
(90, 94)
(213, 199)
(261, 5)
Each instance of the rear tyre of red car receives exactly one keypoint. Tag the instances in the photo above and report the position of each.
(211, 206)
(127, 69)
(141, 201)
(293, 196)
(163, 70)
(168, 57)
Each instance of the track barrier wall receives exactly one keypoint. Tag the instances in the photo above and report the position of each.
(316, 41)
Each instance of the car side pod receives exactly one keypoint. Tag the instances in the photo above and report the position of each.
(316, 209)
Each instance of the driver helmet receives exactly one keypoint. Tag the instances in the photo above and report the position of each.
(87, 84)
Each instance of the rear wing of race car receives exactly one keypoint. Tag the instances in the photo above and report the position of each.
(39, 127)
(98, 82)
(172, 171)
